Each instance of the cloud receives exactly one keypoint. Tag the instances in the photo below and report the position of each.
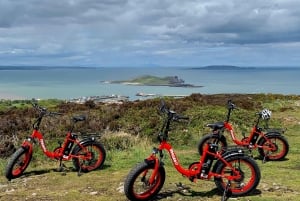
(125, 32)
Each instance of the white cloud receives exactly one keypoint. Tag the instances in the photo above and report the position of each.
(131, 31)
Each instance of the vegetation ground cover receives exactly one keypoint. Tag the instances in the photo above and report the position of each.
(129, 131)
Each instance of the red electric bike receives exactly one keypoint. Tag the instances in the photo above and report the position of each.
(233, 171)
(87, 154)
(271, 145)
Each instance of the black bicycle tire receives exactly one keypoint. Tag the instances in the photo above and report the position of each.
(12, 162)
(134, 173)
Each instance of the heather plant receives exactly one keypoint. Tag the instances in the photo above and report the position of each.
(129, 131)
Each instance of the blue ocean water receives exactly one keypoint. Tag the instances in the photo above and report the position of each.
(67, 83)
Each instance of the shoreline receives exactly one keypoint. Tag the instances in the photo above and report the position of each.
(4, 96)
(8, 96)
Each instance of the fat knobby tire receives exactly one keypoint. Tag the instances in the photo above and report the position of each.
(209, 137)
(9, 170)
(77, 163)
(132, 176)
(255, 182)
(276, 157)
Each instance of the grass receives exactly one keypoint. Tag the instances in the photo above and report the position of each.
(280, 179)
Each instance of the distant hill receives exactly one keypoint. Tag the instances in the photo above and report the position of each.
(222, 67)
(41, 67)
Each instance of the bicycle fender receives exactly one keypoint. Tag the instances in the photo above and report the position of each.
(27, 146)
(203, 140)
(269, 134)
(273, 133)
(151, 161)
(83, 142)
(225, 156)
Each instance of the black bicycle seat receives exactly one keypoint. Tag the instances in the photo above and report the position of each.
(217, 125)
(79, 118)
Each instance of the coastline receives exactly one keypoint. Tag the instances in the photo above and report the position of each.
(9, 96)
(27, 84)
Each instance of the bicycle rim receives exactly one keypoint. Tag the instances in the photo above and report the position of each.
(280, 148)
(141, 187)
(21, 164)
(96, 157)
(247, 181)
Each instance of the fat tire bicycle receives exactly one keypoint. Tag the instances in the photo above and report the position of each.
(233, 171)
(87, 154)
(271, 145)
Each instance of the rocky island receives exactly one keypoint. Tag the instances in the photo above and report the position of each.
(149, 80)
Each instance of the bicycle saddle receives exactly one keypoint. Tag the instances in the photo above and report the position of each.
(217, 125)
(79, 118)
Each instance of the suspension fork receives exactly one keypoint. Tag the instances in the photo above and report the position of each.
(155, 171)
(27, 144)
(153, 159)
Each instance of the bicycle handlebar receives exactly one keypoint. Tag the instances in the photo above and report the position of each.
(172, 115)
(231, 105)
(43, 110)
(179, 117)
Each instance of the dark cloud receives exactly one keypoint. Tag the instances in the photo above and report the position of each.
(166, 32)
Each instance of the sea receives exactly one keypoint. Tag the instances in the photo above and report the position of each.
(75, 82)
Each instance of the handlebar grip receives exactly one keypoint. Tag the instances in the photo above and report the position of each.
(183, 117)
(55, 113)
(231, 105)
(179, 117)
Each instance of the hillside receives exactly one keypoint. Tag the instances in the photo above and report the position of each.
(129, 132)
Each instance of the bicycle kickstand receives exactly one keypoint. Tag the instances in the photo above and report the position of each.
(79, 172)
(61, 167)
(227, 192)
(265, 157)
(251, 153)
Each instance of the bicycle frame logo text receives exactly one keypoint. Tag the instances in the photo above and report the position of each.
(43, 144)
(173, 156)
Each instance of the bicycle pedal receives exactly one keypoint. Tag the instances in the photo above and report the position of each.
(192, 179)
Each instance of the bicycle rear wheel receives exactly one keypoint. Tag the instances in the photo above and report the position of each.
(214, 139)
(249, 171)
(95, 150)
(281, 147)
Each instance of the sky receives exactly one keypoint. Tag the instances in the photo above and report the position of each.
(166, 33)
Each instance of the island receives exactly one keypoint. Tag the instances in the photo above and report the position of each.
(149, 80)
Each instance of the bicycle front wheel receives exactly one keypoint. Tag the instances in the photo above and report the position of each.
(137, 186)
(18, 163)
(249, 171)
